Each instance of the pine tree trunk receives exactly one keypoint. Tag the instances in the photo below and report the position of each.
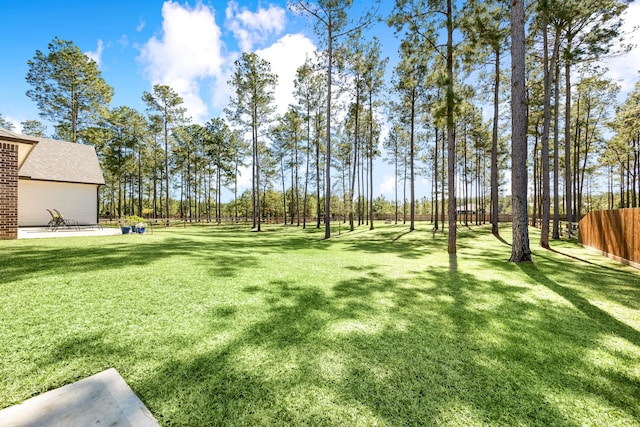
(327, 208)
(371, 159)
(435, 179)
(166, 171)
(256, 145)
(306, 176)
(318, 207)
(297, 184)
(494, 147)
(443, 177)
(520, 251)
(556, 137)
(355, 172)
(567, 142)
(139, 183)
(412, 211)
(536, 168)
(396, 180)
(451, 143)
(546, 185)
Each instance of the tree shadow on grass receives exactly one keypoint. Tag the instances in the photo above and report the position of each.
(501, 239)
(619, 389)
(74, 357)
(435, 347)
(376, 350)
(607, 321)
(438, 347)
(585, 261)
(225, 251)
(620, 285)
(533, 336)
(224, 257)
(398, 245)
(401, 235)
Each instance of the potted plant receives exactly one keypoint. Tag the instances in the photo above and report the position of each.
(141, 227)
(130, 224)
(125, 228)
(133, 221)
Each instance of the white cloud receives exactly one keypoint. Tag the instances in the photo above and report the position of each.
(123, 40)
(244, 178)
(17, 127)
(188, 52)
(220, 90)
(97, 54)
(388, 187)
(141, 25)
(250, 28)
(625, 69)
(285, 56)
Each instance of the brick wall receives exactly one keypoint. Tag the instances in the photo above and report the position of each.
(8, 191)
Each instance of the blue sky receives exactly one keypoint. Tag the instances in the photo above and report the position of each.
(190, 46)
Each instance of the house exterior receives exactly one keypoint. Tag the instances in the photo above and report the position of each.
(55, 175)
(14, 150)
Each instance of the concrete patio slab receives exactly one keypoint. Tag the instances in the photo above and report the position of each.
(43, 232)
(103, 399)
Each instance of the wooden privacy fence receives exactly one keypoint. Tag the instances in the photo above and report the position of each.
(614, 232)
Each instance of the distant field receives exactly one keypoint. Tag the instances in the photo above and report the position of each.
(223, 326)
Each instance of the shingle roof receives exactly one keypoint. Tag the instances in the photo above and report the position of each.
(25, 143)
(16, 137)
(52, 160)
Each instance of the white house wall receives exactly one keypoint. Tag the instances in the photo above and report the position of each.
(74, 201)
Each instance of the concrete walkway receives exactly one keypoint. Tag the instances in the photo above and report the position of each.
(103, 399)
(44, 232)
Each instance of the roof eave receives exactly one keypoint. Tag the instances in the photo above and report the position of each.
(28, 178)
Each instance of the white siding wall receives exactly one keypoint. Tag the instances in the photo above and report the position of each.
(74, 201)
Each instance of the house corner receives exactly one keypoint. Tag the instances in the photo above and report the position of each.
(8, 191)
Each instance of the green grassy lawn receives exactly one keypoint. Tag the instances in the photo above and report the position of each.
(224, 326)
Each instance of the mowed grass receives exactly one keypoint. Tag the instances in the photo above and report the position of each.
(224, 326)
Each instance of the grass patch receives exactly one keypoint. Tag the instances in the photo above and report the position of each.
(221, 325)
